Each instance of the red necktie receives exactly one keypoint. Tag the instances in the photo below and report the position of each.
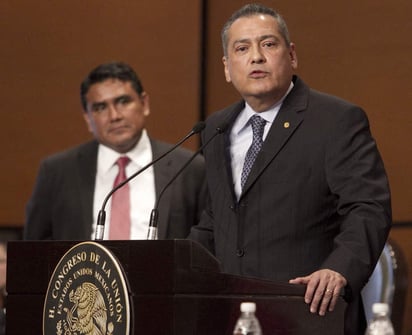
(120, 211)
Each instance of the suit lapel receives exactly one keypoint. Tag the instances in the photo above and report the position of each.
(222, 148)
(288, 120)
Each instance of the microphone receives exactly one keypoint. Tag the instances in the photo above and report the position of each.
(154, 216)
(101, 218)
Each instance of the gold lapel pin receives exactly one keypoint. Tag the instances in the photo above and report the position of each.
(286, 125)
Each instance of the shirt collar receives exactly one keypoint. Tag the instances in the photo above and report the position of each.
(139, 156)
(269, 115)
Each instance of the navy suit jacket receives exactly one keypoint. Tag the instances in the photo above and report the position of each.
(317, 196)
(61, 206)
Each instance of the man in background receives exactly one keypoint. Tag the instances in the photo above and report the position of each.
(298, 189)
(72, 185)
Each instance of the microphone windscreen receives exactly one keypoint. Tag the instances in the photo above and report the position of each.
(222, 128)
(199, 127)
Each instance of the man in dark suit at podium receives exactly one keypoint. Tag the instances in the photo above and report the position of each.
(72, 185)
(298, 189)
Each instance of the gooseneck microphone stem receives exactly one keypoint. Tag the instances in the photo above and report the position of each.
(154, 216)
(101, 218)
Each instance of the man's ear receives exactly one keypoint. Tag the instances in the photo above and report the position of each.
(293, 56)
(146, 103)
(226, 68)
(86, 118)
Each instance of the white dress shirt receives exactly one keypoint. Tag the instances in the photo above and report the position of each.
(142, 187)
(241, 137)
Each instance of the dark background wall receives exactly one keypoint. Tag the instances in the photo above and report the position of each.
(359, 50)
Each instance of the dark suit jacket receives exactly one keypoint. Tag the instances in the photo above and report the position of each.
(61, 206)
(317, 196)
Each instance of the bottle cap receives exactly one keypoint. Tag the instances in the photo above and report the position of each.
(247, 307)
(380, 308)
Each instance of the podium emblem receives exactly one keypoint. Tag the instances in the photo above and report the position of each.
(87, 294)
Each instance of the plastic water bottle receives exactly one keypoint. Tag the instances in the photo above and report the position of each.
(381, 323)
(247, 324)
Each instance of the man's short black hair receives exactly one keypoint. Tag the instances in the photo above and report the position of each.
(112, 70)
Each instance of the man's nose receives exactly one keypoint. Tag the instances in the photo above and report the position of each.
(114, 112)
(257, 55)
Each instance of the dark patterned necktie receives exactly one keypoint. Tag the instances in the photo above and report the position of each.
(258, 125)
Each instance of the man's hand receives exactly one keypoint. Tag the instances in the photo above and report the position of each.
(323, 288)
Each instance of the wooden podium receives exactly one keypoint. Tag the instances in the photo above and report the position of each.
(175, 287)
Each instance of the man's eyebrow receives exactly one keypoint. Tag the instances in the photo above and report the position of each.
(121, 97)
(98, 103)
(265, 37)
(260, 38)
(242, 40)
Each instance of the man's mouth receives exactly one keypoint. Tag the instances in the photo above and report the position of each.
(257, 74)
(118, 129)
